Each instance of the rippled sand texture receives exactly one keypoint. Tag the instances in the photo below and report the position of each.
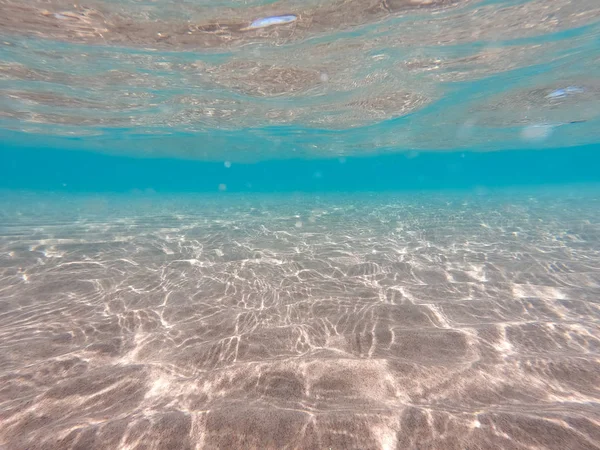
(416, 322)
(346, 77)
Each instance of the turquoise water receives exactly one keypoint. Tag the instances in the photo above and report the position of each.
(367, 225)
(72, 172)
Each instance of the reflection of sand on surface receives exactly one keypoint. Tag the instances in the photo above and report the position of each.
(199, 324)
(116, 70)
(200, 26)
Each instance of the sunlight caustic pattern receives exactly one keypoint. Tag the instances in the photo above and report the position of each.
(388, 323)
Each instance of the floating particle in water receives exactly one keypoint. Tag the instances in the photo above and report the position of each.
(273, 20)
(222, 187)
(537, 133)
(562, 93)
(227, 164)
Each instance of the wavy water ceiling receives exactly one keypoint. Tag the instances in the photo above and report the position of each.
(220, 80)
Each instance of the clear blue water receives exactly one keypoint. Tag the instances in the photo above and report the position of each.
(376, 226)
(72, 172)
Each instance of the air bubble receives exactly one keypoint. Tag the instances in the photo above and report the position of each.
(562, 93)
(273, 20)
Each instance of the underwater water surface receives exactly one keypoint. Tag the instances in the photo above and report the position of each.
(359, 224)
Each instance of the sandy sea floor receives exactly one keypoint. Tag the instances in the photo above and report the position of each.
(438, 321)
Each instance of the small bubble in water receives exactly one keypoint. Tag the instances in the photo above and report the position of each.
(227, 164)
(222, 187)
(298, 224)
(536, 133)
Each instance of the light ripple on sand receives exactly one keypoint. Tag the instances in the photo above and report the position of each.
(265, 335)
